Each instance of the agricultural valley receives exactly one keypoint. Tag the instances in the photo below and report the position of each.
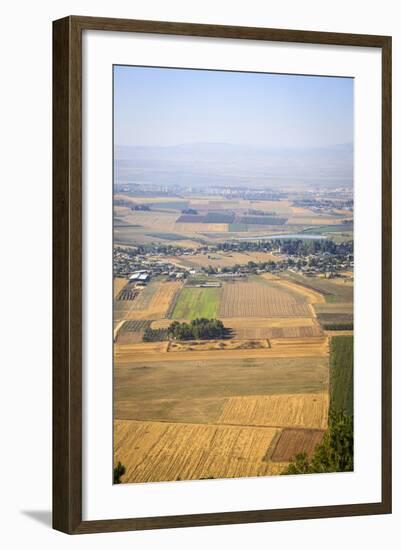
(266, 277)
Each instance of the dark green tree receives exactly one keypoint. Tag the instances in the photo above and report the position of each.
(334, 454)
(118, 472)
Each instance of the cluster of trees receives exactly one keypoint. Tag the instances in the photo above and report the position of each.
(198, 329)
(334, 454)
(131, 205)
(327, 203)
(144, 207)
(318, 246)
(250, 267)
(189, 211)
(247, 246)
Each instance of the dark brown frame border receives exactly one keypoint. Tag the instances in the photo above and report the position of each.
(67, 275)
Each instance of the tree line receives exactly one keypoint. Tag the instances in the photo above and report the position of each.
(198, 329)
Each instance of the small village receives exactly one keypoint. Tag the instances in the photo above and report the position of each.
(140, 264)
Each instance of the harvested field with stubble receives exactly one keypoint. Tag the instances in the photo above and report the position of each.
(154, 301)
(131, 332)
(285, 348)
(292, 441)
(118, 284)
(300, 331)
(160, 451)
(311, 296)
(182, 384)
(286, 410)
(332, 292)
(256, 299)
(227, 259)
(272, 327)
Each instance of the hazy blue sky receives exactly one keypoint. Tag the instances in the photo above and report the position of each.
(175, 106)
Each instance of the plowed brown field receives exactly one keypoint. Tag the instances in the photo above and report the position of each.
(291, 442)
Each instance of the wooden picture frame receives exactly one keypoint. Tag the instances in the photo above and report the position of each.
(67, 274)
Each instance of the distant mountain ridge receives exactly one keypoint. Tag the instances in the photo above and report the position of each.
(232, 164)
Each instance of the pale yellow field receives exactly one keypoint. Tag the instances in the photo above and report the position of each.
(301, 211)
(185, 228)
(280, 207)
(288, 344)
(312, 296)
(307, 410)
(159, 302)
(162, 451)
(118, 284)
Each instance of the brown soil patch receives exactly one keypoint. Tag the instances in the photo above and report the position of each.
(291, 442)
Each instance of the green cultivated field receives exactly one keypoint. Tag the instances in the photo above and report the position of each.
(193, 303)
(342, 374)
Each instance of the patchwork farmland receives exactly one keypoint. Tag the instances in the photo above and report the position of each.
(243, 404)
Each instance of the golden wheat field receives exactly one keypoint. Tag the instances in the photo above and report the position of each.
(254, 299)
(162, 451)
(286, 410)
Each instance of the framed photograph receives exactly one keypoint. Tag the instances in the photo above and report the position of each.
(222, 275)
